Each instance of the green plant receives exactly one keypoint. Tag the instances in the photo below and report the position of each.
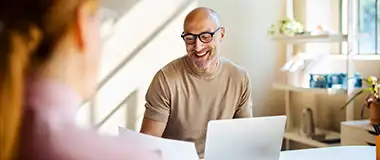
(272, 30)
(372, 97)
(290, 26)
(287, 27)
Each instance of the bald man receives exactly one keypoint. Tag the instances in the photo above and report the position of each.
(201, 86)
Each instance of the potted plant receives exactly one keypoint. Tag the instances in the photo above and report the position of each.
(287, 27)
(372, 101)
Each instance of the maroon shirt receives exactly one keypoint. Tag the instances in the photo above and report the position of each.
(49, 130)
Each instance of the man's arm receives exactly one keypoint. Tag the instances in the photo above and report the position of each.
(244, 109)
(152, 127)
(157, 107)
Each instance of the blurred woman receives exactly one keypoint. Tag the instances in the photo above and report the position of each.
(49, 56)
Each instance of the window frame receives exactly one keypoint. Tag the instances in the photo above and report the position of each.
(343, 10)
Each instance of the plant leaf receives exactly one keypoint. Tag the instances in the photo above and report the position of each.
(349, 101)
(366, 81)
(369, 89)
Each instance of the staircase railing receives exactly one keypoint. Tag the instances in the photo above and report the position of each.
(133, 54)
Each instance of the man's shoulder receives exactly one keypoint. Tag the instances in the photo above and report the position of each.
(173, 65)
(172, 69)
(234, 69)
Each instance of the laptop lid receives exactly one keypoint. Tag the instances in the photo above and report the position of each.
(245, 138)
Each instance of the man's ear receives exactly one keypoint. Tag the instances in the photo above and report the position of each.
(85, 13)
(222, 33)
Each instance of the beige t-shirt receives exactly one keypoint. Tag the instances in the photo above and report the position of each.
(188, 100)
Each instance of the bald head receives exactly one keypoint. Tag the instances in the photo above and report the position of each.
(203, 35)
(199, 15)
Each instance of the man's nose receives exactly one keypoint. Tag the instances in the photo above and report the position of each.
(198, 45)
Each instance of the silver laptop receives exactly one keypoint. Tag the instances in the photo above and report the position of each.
(245, 139)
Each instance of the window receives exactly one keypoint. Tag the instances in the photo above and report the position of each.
(368, 25)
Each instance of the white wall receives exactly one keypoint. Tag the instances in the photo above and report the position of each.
(119, 6)
(247, 44)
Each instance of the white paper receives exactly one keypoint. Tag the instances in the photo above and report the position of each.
(171, 149)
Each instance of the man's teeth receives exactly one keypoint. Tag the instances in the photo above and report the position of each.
(201, 54)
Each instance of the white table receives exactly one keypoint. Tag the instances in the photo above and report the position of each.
(331, 153)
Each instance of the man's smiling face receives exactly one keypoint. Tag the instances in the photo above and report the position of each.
(203, 50)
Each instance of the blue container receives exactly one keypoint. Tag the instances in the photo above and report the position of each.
(344, 80)
(318, 81)
(338, 80)
(358, 80)
(334, 80)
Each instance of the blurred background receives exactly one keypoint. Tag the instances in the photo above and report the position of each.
(141, 36)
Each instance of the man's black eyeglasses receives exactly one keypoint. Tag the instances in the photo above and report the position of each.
(204, 37)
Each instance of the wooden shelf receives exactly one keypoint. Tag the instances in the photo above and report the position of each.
(311, 38)
(329, 91)
(294, 135)
(291, 41)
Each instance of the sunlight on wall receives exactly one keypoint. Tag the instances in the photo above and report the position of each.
(314, 13)
(323, 13)
(133, 28)
(137, 74)
(327, 12)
